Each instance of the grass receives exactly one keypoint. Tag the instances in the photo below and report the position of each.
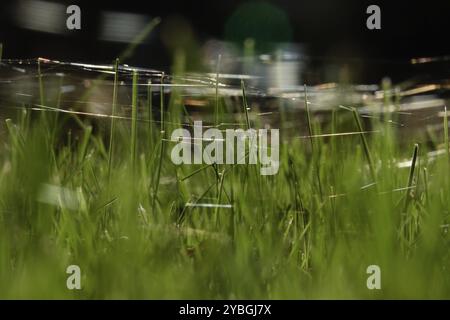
(140, 227)
(113, 115)
(134, 122)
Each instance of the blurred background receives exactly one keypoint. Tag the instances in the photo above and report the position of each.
(320, 40)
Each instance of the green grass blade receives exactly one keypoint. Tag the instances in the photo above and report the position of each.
(134, 105)
(364, 142)
(315, 156)
(113, 120)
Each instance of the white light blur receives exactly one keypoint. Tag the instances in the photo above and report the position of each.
(122, 27)
(41, 16)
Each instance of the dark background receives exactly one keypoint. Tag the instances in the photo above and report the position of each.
(331, 29)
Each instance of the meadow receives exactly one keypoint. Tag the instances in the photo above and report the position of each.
(104, 195)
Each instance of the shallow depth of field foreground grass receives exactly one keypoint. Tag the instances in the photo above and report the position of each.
(136, 225)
